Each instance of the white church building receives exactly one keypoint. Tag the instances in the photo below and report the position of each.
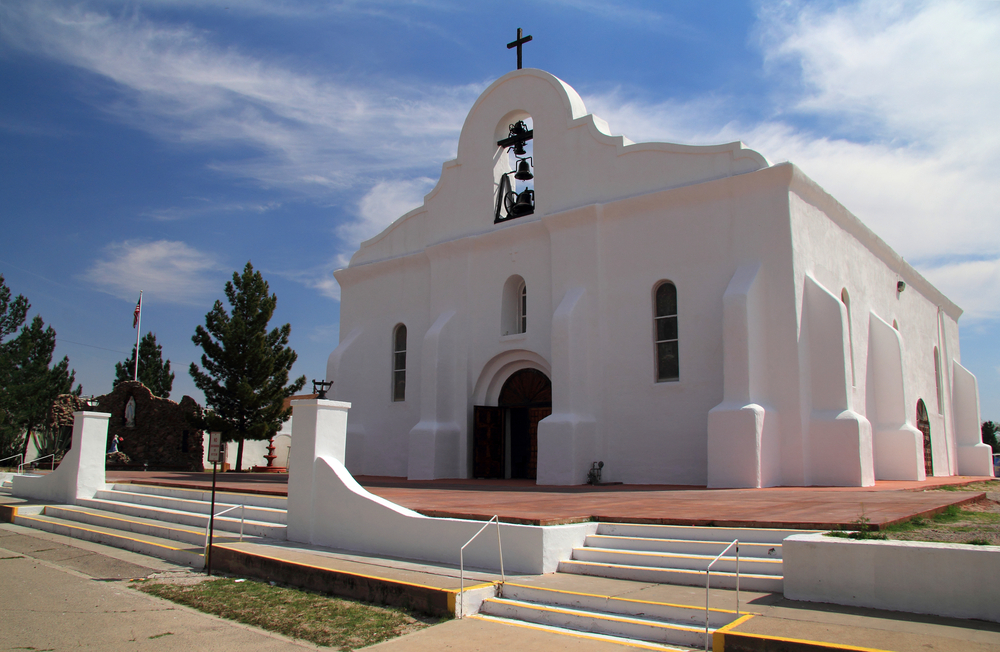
(686, 315)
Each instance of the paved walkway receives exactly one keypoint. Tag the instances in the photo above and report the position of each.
(521, 501)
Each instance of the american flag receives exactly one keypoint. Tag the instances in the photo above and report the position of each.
(135, 315)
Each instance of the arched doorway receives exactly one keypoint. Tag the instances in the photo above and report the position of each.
(505, 437)
(924, 426)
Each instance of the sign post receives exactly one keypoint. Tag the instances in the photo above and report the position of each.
(214, 453)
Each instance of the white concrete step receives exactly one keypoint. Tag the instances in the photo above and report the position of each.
(205, 495)
(683, 546)
(646, 645)
(229, 522)
(666, 612)
(192, 536)
(643, 629)
(727, 563)
(177, 552)
(770, 536)
(253, 512)
(686, 577)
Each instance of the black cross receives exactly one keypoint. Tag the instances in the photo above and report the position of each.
(518, 43)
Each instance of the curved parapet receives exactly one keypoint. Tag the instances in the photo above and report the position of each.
(576, 160)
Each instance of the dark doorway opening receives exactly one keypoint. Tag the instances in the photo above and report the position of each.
(505, 437)
(924, 426)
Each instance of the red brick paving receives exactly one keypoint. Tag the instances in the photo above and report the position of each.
(521, 501)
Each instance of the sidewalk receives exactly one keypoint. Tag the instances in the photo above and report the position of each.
(60, 593)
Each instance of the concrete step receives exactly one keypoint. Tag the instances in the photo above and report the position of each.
(770, 536)
(177, 552)
(229, 522)
(646, 645)
(192, 536)
(676, 560)
(683, 546)
(686, 577)
(229, 497)
(596, 622)
(255, 513)
(662, 611)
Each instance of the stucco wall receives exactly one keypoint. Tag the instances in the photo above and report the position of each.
(944, 579)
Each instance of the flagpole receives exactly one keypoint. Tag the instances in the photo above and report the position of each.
(138, 332)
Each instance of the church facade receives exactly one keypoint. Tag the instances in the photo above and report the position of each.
(686, 315)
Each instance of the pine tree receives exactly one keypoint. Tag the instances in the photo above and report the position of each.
(28, 385)
(245, 377)
(154, 373)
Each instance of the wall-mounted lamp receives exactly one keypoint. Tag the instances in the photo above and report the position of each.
(900, 286)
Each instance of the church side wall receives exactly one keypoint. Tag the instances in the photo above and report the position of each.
(830, 246)
(375, 299)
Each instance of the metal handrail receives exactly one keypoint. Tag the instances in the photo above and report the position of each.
(21, 466)
(461, 562)
(20, 456)
(708, 575)
(242, 509)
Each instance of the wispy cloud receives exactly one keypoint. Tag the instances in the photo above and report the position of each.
(309, 132)
(909, 87)
(973, 284)
(204, 208)
(173, 272)
(381, 206)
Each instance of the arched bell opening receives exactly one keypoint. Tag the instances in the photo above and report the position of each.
(513, 169)
(505, 437)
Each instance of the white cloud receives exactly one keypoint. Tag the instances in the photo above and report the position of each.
(311, 132)
(172, 272)
(973, 284)
(381, 206)
(911, 89)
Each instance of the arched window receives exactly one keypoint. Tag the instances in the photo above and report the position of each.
(399, 363)
(522, 308)
(665, 331)
(937, 381)
(514, 307)
(846, 298)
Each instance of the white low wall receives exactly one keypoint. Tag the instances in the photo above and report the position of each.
(81, 472)
(944, 579)
(327, 507)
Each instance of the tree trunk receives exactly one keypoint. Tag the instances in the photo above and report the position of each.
(239, 456)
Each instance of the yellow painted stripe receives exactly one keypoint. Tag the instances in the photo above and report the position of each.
(674, 556)
(661, 568)
(125, 520)
(109, 534)
(206, 490)
(735, 623)
(631, 643)
(835, 646)
(611, 597)
(351, 573)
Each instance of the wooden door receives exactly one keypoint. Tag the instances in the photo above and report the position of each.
(487, 442)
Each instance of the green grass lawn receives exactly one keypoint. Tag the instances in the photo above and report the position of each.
(320, 619)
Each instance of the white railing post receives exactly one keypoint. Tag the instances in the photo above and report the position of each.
(461, 563)
(242, 509)
(708, 576)
(19, 456)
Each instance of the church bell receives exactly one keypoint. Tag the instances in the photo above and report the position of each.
(525, 204)
(523, 170)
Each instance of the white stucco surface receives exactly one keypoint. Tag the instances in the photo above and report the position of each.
(327, 507)
(944, 579)
(80, 474)
(787, 375)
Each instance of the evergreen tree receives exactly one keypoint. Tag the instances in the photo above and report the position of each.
(154, 373)
(245, 377)
(990, 431)
(28, 384)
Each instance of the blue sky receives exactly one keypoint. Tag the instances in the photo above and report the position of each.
(159, 145)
